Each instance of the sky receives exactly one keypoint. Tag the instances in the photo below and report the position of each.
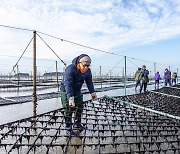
(146, 31)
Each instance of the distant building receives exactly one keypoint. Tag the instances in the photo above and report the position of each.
(52, 74)
(22, 75)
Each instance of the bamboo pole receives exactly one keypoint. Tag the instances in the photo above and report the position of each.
(18, 77)
(57, 75)
(154, 75)
(125, 75)
(100, 73)
(34, 95)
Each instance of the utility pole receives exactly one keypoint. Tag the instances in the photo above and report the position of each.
(110, 78)
(100, 73)
(177, 75)
(125, 77)
(57, 76)
(18, 77)
(34, 95)
(154, 74)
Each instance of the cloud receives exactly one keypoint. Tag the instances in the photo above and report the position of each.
(106, 25)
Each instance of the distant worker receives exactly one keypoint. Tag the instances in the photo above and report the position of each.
(71, 96)
(167, 77)
(174, 77)
(143, 78)
(157, 78)
(136, 76)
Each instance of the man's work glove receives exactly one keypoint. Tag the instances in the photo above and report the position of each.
(94, 96)
(71, 102)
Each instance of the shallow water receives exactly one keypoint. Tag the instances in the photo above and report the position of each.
(15, 112)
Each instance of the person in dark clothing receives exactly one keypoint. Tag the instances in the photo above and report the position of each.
(174, 78)
(70, 90)
(157, 78)
(143, 77)
(167, 77)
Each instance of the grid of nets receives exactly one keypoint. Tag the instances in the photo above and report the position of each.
(166, 99)
(112, 127)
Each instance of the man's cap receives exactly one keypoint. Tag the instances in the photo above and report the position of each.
(84, 57)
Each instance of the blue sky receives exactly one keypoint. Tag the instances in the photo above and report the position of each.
(147, 30)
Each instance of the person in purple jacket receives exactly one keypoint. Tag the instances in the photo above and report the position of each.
(167, 77)
(157, 78)
(70, 90)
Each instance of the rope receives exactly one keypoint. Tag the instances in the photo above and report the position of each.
(50, 67)
(115, 65)
(74, 44)
(22, 54)
(16, 28)
(81, 44)
(141, 60)
(52, 50)
(132, 62)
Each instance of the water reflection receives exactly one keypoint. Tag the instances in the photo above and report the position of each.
(18, 111)
(70, 149)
